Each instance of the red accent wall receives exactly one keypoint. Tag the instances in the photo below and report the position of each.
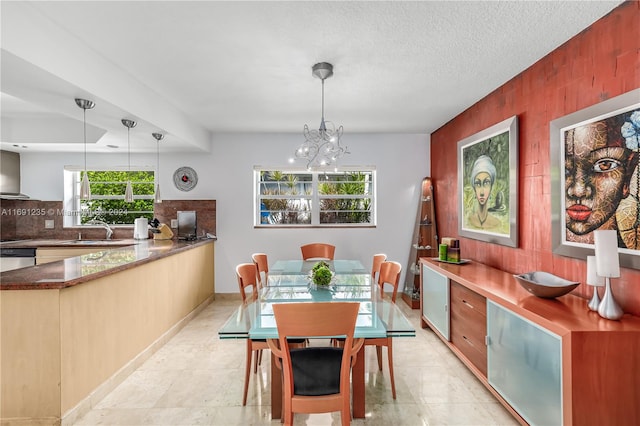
(599, 63)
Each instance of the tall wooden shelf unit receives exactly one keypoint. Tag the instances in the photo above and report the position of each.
(423, 244)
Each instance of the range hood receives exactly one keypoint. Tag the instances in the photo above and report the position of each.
(10, 176)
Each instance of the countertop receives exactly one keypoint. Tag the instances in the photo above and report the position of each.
(37, 243)
(117, 255)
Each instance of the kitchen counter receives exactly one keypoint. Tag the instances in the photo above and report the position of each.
(83, 324)
(118, 255)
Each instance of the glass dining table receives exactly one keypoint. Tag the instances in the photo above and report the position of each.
(289, 282)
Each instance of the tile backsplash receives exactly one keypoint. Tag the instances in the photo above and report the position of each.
(26, 219)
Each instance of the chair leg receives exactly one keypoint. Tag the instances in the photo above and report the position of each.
(345, 413)
(258, 361)
(288, 415)
(247, 369)
(379, 356)
(390, 357)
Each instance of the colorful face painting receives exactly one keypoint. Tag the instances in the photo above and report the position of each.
(602, 179)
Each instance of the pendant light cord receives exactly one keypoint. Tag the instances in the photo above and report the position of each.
(129, 150)
(323, 100)
(84, 120)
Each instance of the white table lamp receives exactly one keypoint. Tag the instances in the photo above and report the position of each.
(594, 280)
(608, 266)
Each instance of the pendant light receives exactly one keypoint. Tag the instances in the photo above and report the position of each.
(128, 192)
(321, 147)
(159, 137)
(85, 187)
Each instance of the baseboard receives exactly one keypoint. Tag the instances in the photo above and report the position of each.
(228, 296)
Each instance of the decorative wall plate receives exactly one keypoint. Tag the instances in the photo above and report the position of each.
(185, 178)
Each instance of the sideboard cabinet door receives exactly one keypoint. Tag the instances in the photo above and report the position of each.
(435, 300)
(524, 366)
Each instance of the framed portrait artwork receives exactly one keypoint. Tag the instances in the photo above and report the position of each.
(488, 184)
(595, 178)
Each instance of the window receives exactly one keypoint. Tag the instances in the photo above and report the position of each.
(314, 198)
(107, 197)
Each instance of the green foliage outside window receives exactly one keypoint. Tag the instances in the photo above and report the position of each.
(107, 197)
(342, 208)
(342, 197)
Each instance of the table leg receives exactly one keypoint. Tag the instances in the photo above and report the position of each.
(276, 389)
(357, 382)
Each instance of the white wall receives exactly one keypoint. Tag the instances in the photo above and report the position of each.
(226, 175)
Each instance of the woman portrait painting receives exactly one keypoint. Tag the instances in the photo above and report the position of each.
(485, 183)
(602, 179)
(482, 178)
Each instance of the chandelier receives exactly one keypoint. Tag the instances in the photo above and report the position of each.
(321, 147)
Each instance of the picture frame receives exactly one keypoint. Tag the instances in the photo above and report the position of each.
(611, 138)
(488, 184)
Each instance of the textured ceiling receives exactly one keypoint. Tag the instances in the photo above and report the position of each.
(194, 69)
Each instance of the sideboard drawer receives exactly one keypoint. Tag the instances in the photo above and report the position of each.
(469, 299)
(469, 325)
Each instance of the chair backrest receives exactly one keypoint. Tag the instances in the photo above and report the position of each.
(262, 264)
(247, 280)
(377, 262)
(318, 251)
(317, 364)
(389, 275)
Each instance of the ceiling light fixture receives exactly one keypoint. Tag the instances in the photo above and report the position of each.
(159, 137)
(85, 187)
(128, 192)
(321, 147)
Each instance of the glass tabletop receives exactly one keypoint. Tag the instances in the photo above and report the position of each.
(302, 267)
(350, 279)
(377, 317)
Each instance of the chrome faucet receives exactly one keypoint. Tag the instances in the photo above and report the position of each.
(105, 225)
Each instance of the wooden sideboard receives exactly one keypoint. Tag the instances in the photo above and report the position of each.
(548, 361)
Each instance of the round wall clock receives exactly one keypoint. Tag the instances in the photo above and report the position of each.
(185, 178)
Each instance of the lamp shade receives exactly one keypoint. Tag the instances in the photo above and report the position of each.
(607, 258)
(592, 277)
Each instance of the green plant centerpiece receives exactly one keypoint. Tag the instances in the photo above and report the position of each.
(321, 274)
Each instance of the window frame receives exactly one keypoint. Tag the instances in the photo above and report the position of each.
(315, 197)
(71, 203)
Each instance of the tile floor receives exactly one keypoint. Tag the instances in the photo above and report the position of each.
(197, 379)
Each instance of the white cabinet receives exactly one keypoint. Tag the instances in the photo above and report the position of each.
(525, 366)
(435, 300)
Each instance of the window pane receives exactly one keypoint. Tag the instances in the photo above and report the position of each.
(345, 183)
(279, 183)
(345, 210)
(285, 211)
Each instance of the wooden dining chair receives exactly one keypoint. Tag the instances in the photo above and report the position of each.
(247, 281)
(389, 277)
(316, 379)
(375, 265)
(262, 265)
(318, 251)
